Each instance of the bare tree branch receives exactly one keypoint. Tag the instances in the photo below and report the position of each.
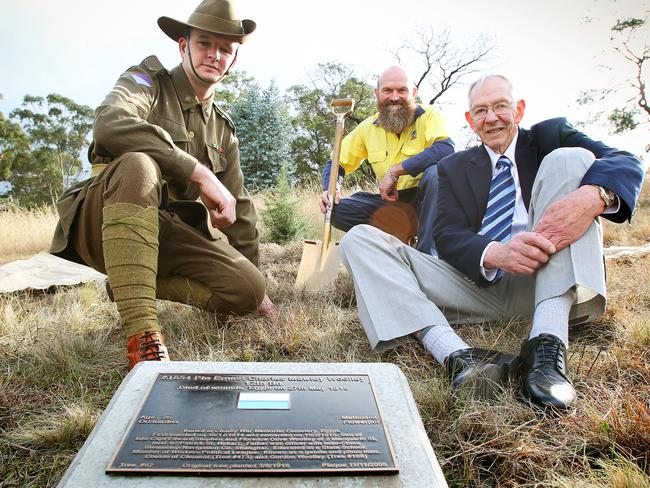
(628, 52)
(629, 38)
(438, 61)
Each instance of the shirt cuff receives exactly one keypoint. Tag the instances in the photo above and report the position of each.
(488, 274)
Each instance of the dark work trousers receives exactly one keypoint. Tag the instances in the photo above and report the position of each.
(413, 214)
(427, 210)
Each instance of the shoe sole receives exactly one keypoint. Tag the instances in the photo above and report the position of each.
(526, 398)
(545, 410)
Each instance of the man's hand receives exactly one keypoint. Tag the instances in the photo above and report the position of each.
(388, 185)
(388, 188)
(267, 308)
(215, 196)
(566, 220)
(325, 202)
(523, 254)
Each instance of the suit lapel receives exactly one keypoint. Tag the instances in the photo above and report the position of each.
(526, 156)
(479, 176)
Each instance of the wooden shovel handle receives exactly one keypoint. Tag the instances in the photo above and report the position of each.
(341, 107)
(343, 102)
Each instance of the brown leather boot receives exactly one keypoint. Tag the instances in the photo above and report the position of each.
(146, 346)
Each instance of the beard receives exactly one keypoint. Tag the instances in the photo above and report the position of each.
(395, 117)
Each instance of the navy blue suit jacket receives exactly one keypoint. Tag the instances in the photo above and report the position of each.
(465, 177)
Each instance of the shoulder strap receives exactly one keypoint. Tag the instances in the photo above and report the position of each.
(224, 115)
(153, 65)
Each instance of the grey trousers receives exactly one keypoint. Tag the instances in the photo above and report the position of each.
(400, 290)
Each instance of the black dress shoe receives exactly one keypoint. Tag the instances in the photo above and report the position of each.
(544, 373)
(480, 371)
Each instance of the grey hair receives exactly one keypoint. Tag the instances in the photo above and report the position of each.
(481, 81)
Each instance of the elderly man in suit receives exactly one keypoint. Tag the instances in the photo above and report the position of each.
(518, 235)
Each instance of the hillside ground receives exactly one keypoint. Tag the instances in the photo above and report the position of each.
(62, 358)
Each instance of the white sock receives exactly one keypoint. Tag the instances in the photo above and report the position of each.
(552, 317)
(440, 341)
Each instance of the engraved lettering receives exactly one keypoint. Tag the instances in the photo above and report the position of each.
(202, 435)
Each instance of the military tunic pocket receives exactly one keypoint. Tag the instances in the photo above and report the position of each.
(176, 131)
(181, 141)
(217, 156)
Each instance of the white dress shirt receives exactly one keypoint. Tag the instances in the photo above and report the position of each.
(520, 217)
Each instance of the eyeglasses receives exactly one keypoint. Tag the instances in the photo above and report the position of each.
(480, 112)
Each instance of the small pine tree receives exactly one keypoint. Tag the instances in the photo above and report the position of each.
(282, 219)
(265, 133)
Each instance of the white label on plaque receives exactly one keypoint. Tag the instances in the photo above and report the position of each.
(263, 401)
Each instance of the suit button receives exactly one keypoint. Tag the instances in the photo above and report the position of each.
(191, 134)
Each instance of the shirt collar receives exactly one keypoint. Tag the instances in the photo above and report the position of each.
(509, 152)
(186, 94)
(184, 90)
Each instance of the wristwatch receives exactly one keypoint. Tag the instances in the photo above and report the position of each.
(607, 196)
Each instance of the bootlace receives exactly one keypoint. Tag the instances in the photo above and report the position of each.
(150, 344)
(550, 352)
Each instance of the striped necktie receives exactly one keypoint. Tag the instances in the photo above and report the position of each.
(497, 222)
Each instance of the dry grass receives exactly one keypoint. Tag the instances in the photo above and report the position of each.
(25, 233)
(637, 233)
(61, 357)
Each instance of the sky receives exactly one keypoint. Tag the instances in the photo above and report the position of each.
(550, 50)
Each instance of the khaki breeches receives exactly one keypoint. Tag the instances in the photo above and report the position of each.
(192, 268)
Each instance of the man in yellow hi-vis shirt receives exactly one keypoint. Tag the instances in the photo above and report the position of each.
(400, 141)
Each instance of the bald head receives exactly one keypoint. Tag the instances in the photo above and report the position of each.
(393, 88)
(391, 75)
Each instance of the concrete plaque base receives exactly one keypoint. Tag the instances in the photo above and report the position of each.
(417, 463)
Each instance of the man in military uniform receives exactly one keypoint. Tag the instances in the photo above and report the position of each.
(159, 145)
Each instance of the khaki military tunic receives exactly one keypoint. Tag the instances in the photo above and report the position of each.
(154, 112)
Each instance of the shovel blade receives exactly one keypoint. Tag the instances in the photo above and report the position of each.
(316, 272)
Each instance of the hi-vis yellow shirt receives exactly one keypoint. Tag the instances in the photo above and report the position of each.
(384, 149)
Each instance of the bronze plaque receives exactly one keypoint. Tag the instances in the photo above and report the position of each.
(216, 424)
